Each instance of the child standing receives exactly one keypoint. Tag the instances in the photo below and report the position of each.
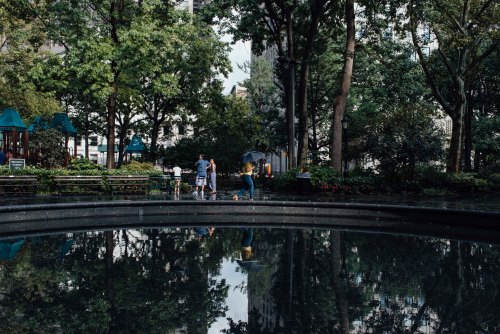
(177, 178)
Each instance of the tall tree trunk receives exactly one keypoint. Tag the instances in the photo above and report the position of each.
(87, 127)
(121, 147)
(155, 131)
(314, 142)
(477, 160)
(454, 153)
(338, 288)
(302, 133)
(290, 92)
(114, 10)
(468, 135)
(110, 152)
(345, 84)
(317, 8)
(157, 118)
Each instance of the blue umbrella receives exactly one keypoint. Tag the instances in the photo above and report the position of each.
(252, 265)
(252, 156)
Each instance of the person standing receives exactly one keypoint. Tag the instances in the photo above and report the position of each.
(213, 176)
(8, 156)
(177, 179)
(201, 173)
(246, 178)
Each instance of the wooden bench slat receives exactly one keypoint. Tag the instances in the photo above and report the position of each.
(128, 184)
(77, 184)
(18, 184)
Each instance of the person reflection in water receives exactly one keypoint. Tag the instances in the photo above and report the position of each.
(203, 232)
(246, 244)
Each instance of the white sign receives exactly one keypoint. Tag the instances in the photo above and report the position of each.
(17, 164)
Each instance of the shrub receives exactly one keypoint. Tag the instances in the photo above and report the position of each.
(82, 164)
(321, 174)
(327, 179)
(494, 181)
(430, 177)
(285, 181)
(47, 148)
(136, 166)
(465, 182)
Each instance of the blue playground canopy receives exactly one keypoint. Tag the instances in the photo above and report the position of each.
(9, 248)
(39, 124)
(61, 121)
(10, 119)
(103, 148)
(136, 145)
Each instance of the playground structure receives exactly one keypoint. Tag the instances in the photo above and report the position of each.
(15, 134)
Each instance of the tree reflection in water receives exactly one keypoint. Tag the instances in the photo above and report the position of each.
(307, 281)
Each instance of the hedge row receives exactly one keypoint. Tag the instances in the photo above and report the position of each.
(425, 180)
(79, 167)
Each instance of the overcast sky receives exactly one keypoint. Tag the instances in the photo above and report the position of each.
(236, 300)
(239, 55)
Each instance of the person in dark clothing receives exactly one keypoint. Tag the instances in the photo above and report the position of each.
(201, 173)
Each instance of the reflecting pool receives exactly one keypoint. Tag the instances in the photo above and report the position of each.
(247, 280)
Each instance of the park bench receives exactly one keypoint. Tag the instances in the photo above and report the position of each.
(79, 184)
(18, 184)
(162, 183)
(128, 184)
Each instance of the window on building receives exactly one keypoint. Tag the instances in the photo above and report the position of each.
(167, 130)
(426, 35)
(426, 51)
(181, 129)
(388, 33)
(93, 141)
(78, 141)
(448, 126)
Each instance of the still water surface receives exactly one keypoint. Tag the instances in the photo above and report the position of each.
(247, 280)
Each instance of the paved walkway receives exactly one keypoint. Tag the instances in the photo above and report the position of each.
(471, 202)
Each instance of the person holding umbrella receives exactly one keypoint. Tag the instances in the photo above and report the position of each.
(246, 178)
(246, 173)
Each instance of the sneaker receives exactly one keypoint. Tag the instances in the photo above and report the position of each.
(195, 193)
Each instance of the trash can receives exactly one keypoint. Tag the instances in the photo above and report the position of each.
(304, 185)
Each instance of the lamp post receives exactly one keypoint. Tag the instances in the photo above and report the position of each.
(345, 124)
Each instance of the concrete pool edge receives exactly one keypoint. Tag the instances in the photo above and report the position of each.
(456, 223)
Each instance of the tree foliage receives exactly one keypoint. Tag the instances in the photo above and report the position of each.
(47, 148)
(223, 132)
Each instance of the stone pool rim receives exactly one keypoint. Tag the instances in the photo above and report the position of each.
(462, 224)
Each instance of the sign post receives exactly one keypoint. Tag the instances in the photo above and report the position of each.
(17, 164)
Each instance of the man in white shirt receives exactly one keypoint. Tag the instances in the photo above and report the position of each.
(177, 178)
